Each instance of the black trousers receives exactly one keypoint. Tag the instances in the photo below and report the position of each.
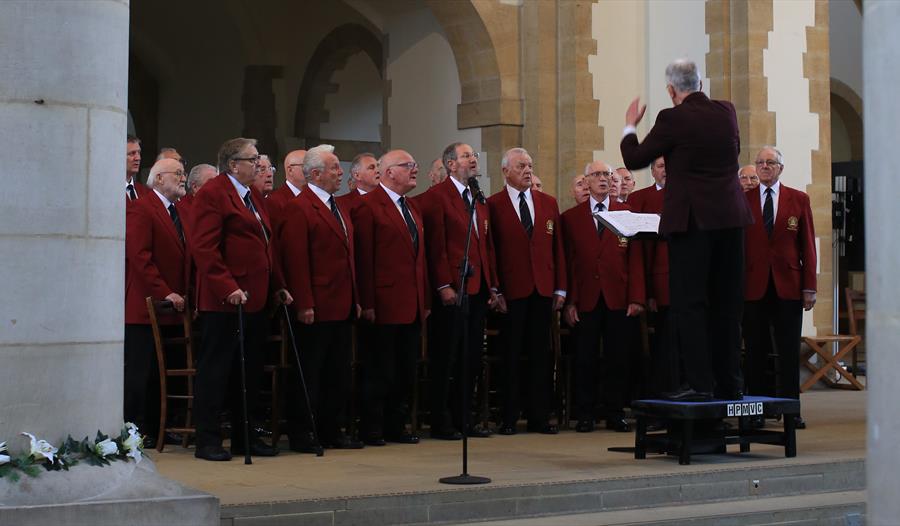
(706, 284)
(525, 331)
(664, 364)
(218, 373)
(388, 373)
(444, 351)
(606, 325)
(773, 325)
(325, 357)
(141, 379)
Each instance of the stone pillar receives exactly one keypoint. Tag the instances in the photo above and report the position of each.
(63, 125)
(62, 238)
(881, 67)
(540, 83)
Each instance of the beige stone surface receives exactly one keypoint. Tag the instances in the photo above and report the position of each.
(836, 421)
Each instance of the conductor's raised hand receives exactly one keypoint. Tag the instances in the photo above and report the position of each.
(635, 112)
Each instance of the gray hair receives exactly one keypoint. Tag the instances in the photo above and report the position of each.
(194, 176)
(450, 155)
(587, 168)
(314, 159)
(154, 171)
(357, 161)
(683, 75)
(509, 153)
(778, 156)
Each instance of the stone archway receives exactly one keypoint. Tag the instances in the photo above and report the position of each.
(849, 107)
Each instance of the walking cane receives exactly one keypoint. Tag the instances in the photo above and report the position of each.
(312, 419)
(240, 313)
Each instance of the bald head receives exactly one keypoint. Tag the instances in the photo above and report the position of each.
(438, 172)
(399, 171)
(293, 168)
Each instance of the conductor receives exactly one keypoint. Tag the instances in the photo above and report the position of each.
(703, 216)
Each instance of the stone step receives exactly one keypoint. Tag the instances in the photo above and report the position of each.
(846, 508)
(727, 484)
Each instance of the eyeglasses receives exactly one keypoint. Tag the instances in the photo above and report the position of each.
(178, 173)
(771, 163)
(271, 169)
(411, 165)
(468, 155)
(254, 159)
(607, 174)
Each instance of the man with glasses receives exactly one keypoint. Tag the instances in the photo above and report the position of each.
(703, 218)
(781, 279)
(606, 285)
(394, 296)
(156, 266)
(747, 176)
(532, 274)
(133, 188)
(265, 176)
(232, 248)
(316, 250)
(446, 215)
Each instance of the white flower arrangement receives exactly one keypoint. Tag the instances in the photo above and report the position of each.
(97, 452)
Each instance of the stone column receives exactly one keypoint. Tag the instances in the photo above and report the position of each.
(881, 67)
(62, 125)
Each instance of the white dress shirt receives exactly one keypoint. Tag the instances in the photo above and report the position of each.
(514, 199)
(324, 197)
(294, 190)
(776, 191)
(594, 208)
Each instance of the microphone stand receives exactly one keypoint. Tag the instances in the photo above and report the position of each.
(462, 310)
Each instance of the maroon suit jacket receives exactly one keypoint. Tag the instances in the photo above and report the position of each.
(317, 257)
(350, 201)
(391, 276)
(276, 202)
(789, 255)
(605, 265)
(229, 248)
(656, 251)
(526, 264)
(156, 259)
(446, 224)
(700, 142)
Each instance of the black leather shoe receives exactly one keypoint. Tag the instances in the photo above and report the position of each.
(374, 439)
(446, 434)
(404, 437)
(544, 429)
(214, 453)
(479, 431)
(343, 441)
(618, 424)
(584, 426)
(507, 429)
(305, 443)
(799, 423)
(688, 395)
(730, 395)
(258, 448)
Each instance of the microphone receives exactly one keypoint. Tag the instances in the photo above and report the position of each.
(476, 191)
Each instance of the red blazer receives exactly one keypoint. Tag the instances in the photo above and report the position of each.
(349, 201)
(140, 189)
(317, 257)
(656, 252)
(156, 260)
(446, 224)
(391, 276)
(700, 142)
(600, 265)
(276, 202)
(789, 255)
(229, 248)
(525, 264)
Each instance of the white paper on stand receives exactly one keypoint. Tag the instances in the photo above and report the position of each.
(629, 224)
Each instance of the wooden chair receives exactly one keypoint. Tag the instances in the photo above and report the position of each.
(821, 346)
(856, 312)
(277, 368)
(166, 371)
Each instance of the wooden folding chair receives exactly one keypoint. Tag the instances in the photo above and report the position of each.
(188, 371)
(856, 312)
(821, 346)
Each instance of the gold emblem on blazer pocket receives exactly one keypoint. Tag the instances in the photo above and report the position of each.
(793, 223)
(550, 226)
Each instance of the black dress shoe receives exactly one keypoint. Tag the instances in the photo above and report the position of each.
(506, 429)
(258, 448)
(730, 395)
(799, 423)
(688, 395)
(374, 439)
(446, 434)
(404, 437)
(618, 424)
(306, 443)
(479, 431)
(214, 453)
(584, 426)
(342, 441)
(544, 429)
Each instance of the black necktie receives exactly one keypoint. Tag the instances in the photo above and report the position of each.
(769, 212)
(249, 203)
(410, 224)
(177, 220)
(600, 227)
(131, 194)
(337, 215)
(525, 214)
(465, 196)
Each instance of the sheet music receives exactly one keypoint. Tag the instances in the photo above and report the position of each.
(629, 224)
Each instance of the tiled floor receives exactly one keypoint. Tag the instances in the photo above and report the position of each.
(836, 430)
